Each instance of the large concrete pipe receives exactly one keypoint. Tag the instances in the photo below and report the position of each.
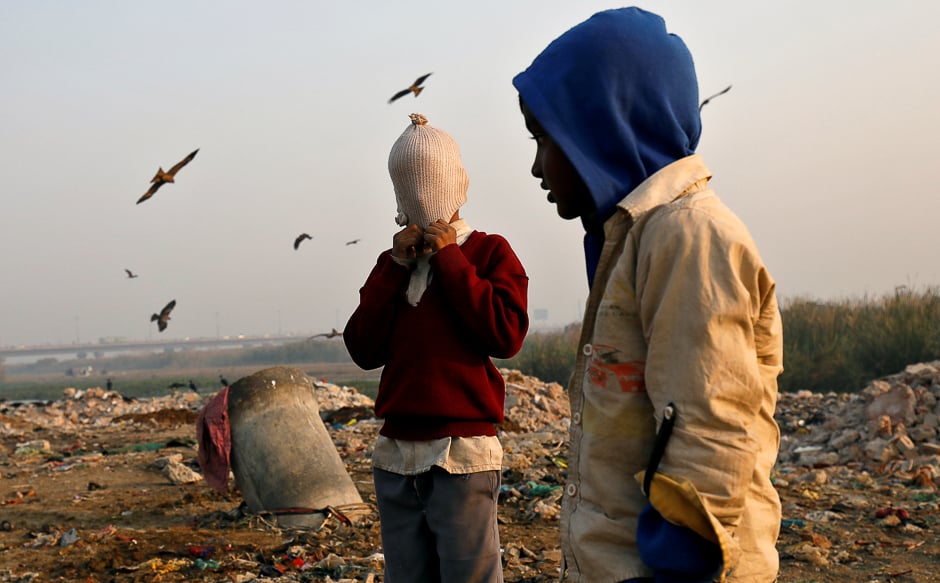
(282, 457)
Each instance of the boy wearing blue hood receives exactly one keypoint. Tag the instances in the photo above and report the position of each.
(674, 389)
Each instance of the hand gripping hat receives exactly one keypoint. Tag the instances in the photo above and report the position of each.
(429, 179)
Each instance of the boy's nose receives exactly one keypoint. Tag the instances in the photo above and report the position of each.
(536, 168)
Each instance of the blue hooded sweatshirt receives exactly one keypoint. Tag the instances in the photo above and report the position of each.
(619, 95)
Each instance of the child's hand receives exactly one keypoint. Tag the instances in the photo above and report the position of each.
(407, 243)
(439, 234)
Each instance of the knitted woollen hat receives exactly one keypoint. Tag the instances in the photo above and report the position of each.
(429, 179)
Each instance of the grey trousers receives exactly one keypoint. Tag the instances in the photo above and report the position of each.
(439, 527)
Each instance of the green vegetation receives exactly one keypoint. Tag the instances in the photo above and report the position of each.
(841, 346)
(152, 374)
(828, 346)
(169, 360)
(548, 356)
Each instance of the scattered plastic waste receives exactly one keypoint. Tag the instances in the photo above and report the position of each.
(534, 490)
(202, 564)
(201, 552)
(69, 537)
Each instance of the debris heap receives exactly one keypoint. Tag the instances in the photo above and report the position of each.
(857, 476)
(891, 426)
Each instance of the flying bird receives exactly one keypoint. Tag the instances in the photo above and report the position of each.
(161, 177)
(415, 88)
(176, 385)
(130, 274)
(164, 316)
(331, 334)
(722, 92)
(300, 239)
(353, 242)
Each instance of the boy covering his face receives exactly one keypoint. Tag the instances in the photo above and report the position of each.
(433, 311)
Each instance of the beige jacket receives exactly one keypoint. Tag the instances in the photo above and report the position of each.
(682, 310)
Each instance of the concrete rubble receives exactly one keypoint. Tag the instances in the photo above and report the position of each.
(889, 427)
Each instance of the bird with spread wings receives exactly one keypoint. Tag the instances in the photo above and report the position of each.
(331, 334)
(164, 316)
(130, 274)
(162, 177)
(300, 239)
(415, 88)
(710, 97)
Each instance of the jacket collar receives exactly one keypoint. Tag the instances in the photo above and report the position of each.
(681, 178)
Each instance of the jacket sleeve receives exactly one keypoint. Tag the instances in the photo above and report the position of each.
(702, 289)
(368, 331)
(491, 301)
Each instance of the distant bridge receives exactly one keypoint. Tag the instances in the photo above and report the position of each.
(147, 346)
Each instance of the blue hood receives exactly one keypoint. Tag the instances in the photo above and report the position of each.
(619, 95)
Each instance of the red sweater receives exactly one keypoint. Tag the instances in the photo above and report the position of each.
(438, 379)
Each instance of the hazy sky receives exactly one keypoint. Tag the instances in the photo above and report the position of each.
(825, 147)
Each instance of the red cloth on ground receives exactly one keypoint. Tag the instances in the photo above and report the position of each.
(214, 437)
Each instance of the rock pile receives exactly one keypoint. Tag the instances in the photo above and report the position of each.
(534, 436)
(891, 426)
(90, 407)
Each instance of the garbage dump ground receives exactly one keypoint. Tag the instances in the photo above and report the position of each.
(95, 487)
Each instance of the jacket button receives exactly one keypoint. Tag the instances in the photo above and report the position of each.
(576, 418)
(587, 349)
(571, 489)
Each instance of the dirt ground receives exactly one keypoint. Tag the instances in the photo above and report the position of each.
(95, 508)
